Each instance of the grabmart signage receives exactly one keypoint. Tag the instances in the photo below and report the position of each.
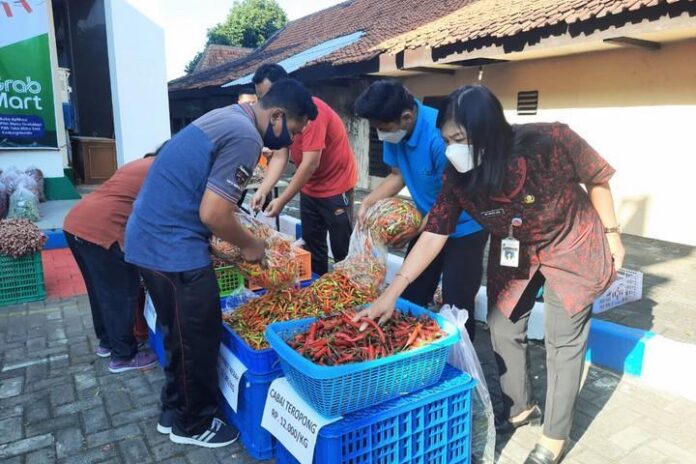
(27, 109)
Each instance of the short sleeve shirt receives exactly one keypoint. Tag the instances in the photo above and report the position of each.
(337, 172)
(218, 152)
(101, 216)
(561, 234)
(421, 160)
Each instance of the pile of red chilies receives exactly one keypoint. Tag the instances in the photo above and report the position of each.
(338, 340)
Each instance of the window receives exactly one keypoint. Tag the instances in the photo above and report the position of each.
(527, 102)
(376, 164)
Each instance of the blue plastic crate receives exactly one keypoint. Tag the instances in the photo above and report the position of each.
(338, 390)
(258, 362)
(253, 390)
(432, 426)
(156, 340)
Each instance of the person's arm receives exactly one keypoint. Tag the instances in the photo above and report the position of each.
(389, 187)
(603, 202)
(274, 171)
(309, 164)
(218, 215)
(421, 255)
(590, 169)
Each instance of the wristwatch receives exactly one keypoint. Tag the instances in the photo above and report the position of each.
(612, 230)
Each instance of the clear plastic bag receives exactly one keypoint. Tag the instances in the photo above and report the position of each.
(10, 178)
(366, 263)
(392, 220)
(239, 298)
(37, 175)
(230, 252)
(280, 268)
(24, 204)
(463, 357)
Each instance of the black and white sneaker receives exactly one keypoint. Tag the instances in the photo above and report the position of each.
(166, 420)
(218, 435)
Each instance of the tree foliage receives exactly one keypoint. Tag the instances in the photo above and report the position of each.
(249, 24)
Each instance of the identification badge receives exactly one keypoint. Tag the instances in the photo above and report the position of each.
(150, 313)
(510, 252)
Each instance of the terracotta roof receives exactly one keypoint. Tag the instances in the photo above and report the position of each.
(215, 55)
(380, 20)
(394, 25)
(498, 19)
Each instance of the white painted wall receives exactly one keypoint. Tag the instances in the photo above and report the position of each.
(637, 108)
(137, 65)
(51, 162)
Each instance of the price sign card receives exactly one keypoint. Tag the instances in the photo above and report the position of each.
(292, 421)
(230, 372)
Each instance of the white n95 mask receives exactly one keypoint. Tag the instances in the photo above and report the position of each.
(461, 156)
(391, 137)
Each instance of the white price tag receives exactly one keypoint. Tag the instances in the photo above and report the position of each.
(292, 421)
(230, 372)
(150, 313)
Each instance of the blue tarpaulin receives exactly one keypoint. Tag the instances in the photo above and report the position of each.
(297, 61)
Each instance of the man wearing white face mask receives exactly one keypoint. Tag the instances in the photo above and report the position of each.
(415, 151)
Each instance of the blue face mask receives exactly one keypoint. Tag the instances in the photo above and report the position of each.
(276, 142)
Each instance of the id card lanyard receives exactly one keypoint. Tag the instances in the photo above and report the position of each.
(510, 246)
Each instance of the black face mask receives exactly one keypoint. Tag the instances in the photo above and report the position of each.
(274, 142)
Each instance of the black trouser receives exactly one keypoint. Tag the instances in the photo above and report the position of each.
(565, 337)
(112, 287)
(321, 215)
(188, 312)
(460, 263)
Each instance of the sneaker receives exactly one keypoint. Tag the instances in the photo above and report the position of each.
(218, 435)
(142, 360)
(166, 420)
(103, 352)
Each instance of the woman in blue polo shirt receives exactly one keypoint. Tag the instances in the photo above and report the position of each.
(415, 151)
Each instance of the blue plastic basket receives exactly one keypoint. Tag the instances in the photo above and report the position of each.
(253, 389)
(259, 362)
(337, 390)
(432, 426)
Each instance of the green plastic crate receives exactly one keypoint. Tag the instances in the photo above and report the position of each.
(21, 279)
(229, 280)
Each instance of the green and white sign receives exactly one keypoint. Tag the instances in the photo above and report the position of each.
(27, 111)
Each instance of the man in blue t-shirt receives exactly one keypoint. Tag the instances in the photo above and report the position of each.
(415, 151)
(191, 192)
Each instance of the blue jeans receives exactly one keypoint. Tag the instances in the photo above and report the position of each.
(112, 287)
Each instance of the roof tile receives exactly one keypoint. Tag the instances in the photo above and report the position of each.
(392, 26)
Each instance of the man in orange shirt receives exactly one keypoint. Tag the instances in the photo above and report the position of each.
(326, 175)
(94, 229)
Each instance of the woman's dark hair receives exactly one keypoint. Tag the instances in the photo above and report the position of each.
(475, 109)
(291, 96)
(157, 150)
(271, 71)
(384, 101)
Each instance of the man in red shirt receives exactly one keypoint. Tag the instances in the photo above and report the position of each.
(326, 175)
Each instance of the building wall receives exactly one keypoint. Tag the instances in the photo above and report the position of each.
(341, 99)
(138, 80)
(636, 107)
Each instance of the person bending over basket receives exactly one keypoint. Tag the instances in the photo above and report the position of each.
(415, 151)
(523, 184)
(191, 193)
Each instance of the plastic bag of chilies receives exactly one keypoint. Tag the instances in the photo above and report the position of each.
(463, 357)
(366, 262)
